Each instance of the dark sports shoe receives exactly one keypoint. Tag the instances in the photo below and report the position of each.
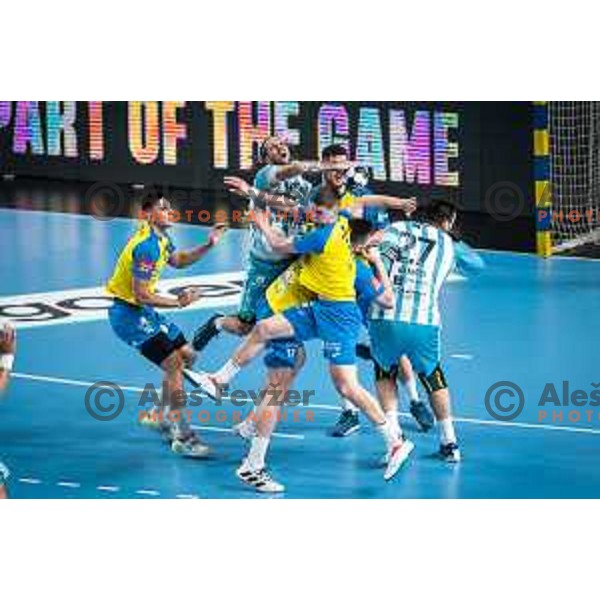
(422, 415)
(205, 333)
(450, 453)
(260, 480)
(190, 446)
(347, 424)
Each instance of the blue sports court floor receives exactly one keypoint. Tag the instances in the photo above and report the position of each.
(524, 320)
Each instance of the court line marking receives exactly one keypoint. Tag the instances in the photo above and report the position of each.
(327, 407)
(462, 356)
(106, 488)
(68, 484)
(291, 436)
(145, 492)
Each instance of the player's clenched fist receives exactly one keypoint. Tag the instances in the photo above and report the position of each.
(189, 296)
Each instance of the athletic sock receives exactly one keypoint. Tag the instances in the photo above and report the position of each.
(247, 428)
(446, 432)
(348, 406)
(393, 419)
(389, 433)
(227, 372)
(410, 387)
(258, 451)
(219, 323)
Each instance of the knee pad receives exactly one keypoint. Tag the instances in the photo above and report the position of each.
(434, 382)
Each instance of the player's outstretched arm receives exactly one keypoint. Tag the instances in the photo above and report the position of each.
(262, 199)
(302, 167)
(468, 261)
(185, 258)
(407, 205)
(8, 348)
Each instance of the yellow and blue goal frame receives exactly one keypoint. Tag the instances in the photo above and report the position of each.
(541, 168)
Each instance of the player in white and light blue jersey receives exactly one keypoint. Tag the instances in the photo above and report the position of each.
(419, 257)
(279, 184)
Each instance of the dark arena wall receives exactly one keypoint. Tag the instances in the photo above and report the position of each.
(478, 153)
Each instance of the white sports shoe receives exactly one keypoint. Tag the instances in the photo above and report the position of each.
(260, 480)
(202, 380)
(397, 457)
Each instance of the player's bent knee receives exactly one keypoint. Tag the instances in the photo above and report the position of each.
(188, 355)
(345, 382)
(267, 330)
(173, 363)
(435, 382)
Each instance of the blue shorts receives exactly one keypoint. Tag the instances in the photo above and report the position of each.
(338, 324)
(280, 354)
(283, 354)
(390, 340)
(260, 276)
(145, 329)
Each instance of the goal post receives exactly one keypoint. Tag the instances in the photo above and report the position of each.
(567, 174)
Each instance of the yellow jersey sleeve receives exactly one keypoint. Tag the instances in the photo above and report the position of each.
(144, 258)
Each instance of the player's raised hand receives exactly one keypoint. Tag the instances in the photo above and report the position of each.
(8, 339)
(189, 296)
(217, 233)
(407, 205)
(237, 186)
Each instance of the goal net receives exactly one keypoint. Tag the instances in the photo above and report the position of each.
(574, 137)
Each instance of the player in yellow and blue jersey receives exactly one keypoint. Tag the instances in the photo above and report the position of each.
(285, 357)
(328, 273)
(135, 320)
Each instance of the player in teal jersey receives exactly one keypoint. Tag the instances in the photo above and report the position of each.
(279, 184)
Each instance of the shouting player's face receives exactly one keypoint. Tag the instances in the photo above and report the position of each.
(161, 215)
(337, 179)
(277, 151)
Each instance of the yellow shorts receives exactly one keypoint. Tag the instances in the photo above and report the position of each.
(287, 292)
